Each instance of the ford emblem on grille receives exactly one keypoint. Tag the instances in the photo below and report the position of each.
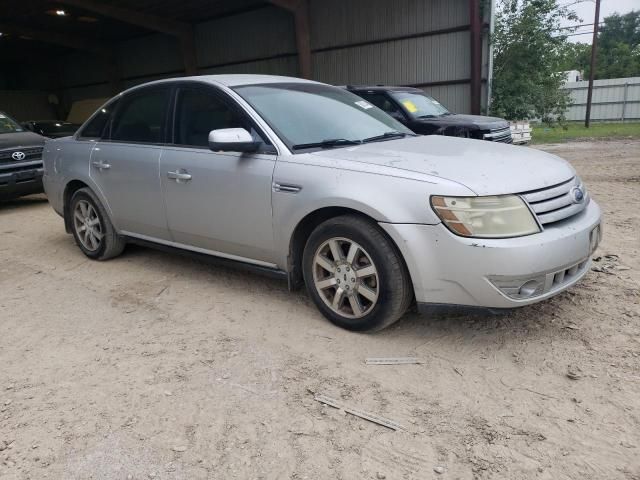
(18, 156)
(577, 195)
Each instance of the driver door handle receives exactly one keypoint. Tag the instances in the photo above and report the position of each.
(179, 175)
(101, 165)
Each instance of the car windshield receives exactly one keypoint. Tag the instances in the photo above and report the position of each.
(7, 125)
(314, 116)
(420, 105)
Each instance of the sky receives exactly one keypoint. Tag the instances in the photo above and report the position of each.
(586, 10)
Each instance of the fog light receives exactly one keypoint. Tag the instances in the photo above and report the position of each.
(519, 288)
(529, 289)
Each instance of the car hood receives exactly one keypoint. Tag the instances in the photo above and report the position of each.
(486, 168)
(20, 139)
(477, 121)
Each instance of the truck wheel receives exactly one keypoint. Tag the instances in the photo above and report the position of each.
(91, 227)
(355, 274)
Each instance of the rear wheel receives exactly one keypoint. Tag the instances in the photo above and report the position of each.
(91, 227)
(355, 275)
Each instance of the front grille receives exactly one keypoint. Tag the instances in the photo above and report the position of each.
(30, 154)
(558, 202)
(567, 274)
(7, 169)
(503, 135)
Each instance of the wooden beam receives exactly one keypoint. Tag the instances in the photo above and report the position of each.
(592, 70)
(64, 39)
(183, 31)
(303, 38)
(300, 10)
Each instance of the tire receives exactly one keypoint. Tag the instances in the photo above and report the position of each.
(92, 228)
(368, 301)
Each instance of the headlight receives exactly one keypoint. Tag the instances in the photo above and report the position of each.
(486, 217)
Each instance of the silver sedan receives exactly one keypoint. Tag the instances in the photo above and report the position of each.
(311, 183)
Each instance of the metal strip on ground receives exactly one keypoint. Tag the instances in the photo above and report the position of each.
(385, 422)
(394, 361)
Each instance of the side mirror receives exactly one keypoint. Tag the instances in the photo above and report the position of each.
(232, 140)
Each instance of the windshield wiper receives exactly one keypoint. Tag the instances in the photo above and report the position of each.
(385, 136)
(427, 116)
(330, 143)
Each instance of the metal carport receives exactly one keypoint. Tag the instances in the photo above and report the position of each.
(69, 50)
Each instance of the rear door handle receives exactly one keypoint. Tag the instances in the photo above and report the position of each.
(101, 165)
(179, 175)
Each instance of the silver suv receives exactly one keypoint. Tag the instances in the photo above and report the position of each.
(312, 183)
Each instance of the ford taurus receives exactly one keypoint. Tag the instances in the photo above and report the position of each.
(315, 184)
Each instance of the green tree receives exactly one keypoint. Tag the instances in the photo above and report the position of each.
(621, 29)
(576, 56)
(528, 56)
(618, 54)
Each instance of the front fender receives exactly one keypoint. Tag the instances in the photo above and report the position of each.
(384, 198)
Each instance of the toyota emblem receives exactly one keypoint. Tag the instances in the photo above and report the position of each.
(18, 156)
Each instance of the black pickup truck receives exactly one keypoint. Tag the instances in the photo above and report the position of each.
(20, 160)
(426, 116)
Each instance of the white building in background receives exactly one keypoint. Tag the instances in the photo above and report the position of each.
(572, 76)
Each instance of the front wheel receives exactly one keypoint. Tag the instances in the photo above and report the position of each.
(355, 275)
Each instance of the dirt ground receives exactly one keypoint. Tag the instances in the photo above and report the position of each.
(156, 366)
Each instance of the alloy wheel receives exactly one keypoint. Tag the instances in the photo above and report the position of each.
(87, 225)
(345, 277)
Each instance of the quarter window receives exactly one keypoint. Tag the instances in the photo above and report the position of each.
(142, 118)
(97, 124)
(199, 111)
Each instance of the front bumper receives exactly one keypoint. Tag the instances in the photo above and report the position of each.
(452, 270)
(21, 180)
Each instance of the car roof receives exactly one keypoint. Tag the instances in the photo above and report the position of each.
(230, 80)
(381, 88)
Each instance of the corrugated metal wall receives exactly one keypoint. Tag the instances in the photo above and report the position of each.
(149, 55)
(343, 22)
(456, 98)
(264, 33)
(27, 105)
(393, 43)
(412, 61)
(404, 42)
(613, 99)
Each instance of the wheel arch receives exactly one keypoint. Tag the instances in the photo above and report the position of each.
(303, 229)
(71, 187)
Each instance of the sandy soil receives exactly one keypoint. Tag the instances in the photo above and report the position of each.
(156, 366)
